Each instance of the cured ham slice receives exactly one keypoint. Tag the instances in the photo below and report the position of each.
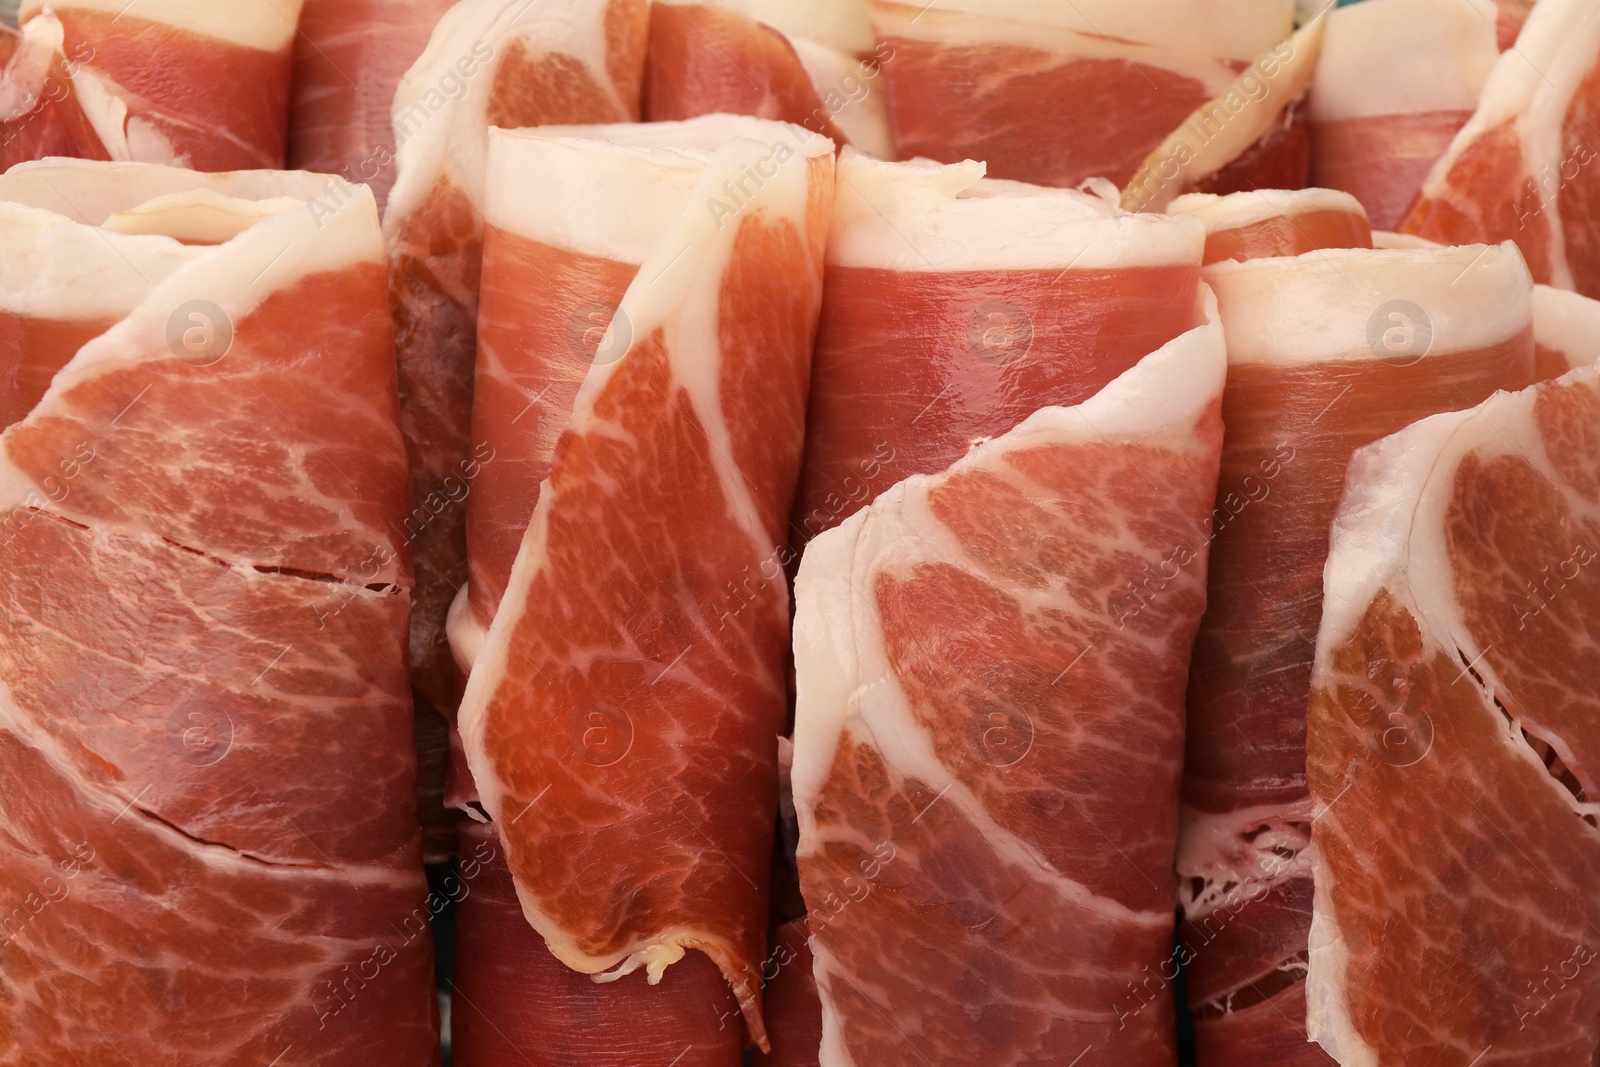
(523, 64)
(1056, 93)
(1520, 169)
(621, 717)
(348, 61)
(791, 1004)
(199, 85)
(997, 299)
(987, 798)
(205, 752)
(812, 64)
(1453, 737)
(1396, 80)
(1566, 331)
(1327, 351)
(1273, 222)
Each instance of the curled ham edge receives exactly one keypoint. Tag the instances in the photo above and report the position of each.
(1389, 536)
(845, 681)
(676, 290)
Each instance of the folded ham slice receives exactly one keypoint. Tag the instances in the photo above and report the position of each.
(956, 307)
(991, 664)
(1275, 222)
(1455, 740)
(208, 777)
(349, 57)
(1056, 93)
(1521, 169)
(1396, 80)
(801, 61)
(622, 713)
(199, 85)
(1327, 352)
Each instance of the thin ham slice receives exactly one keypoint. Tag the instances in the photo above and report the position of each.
(1056, 93)
(1522, 168)
(1273, 222)
(208, 777)
(1396, 80)
(1566, 331)
(1327, 352)
(349, 57)
(1454, 743)
(991, 664)
(197, 85)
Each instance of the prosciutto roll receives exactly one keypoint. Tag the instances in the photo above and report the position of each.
(211, 847)
(991, 663)
(1274, 222)
(1328, 351)
(204, 86)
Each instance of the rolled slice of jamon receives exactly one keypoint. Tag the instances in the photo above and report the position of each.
(349, 57)
(622, 715)
(1455, 739)
(988, 800)
(1056, 93)
(811, 63)
(995, 299)
(1396, 80)
(1327, 351)
(521, 64)
(208, 774)
(200, 85)
(1275, 222)
(1520, 169)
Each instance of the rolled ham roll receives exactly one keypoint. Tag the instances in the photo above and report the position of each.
(204, 86)
(1327, 352)
(1275, 222)
(1056, 93)
(991, 664)
(204, 718)
(348, 61)
(1396, 80)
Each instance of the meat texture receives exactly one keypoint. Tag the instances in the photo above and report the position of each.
(1453, 743)
(1274, 222)
(622, 714)
(988, 738)
(210, 853)
(194, 85)
(1327, 352)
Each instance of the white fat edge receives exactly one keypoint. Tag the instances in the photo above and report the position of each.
(1391, 240)
(90, 191)
(1212, 847)
(58, 269)
(451, 144)
(929, 217)
(1567, 322)
(237, 276)
(465, 632)
(1328, 965)
(864, 120)
(1404, 57)
(265, 25)
(1237, 210)
(1215, 134)
(39, 44)
(1187, 38)
(842, 25)
(1534, 82)
(199, 216)
(702, 134)
(835, 1050)
(594, 197)
(1299, 310)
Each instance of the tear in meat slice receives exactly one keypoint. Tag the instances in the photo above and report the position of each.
(198, 85)
(349, 56)
(204, 718)
(622, 714)
(956, 307)
(1453, 745)
(522, 64)
(809, 63)
(987, 798)
(1056, 93)
(1522, 168)
(1327, 352)
(1396, 80)
(1274, 222)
